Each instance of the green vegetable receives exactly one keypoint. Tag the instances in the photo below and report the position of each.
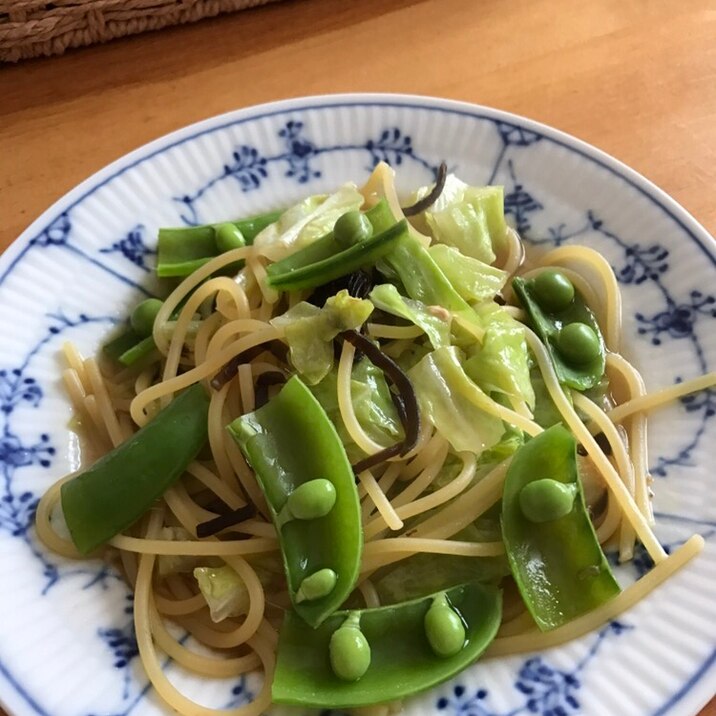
(411, 265)
(228, 237)
(453, 403)
(474, 280)
(386, 298)
(444, 628)
(317, 585)
(349, 650)
(401, 663)
(545, 412)
(558, 565)
(311, 500)
(327, 246)
(352, 228)
(224, 591)
(121, 486)
(588, 370)
(337, 265)
(129, 347)
(510, 442)
(373, 406)
(290, 441)
(547, 499)
(306, 222)
(470, 218)
(183, 250)
(143, 316)
(553, 290)
(422, 278)
(502, 363)
(310, 331)
(578, 343)
(424, 573)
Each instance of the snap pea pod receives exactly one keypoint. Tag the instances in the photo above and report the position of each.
(567, 327)
(411, 647)
(302, 468)
(551, 546)
(336, 265)
(136, 342)
(120, 487)
(129, 347)
(181, 251)
(380, 218)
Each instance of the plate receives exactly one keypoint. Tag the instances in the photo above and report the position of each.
(67, 646)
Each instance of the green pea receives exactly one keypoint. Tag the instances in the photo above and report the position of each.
(578, 343)
(546, 499)
(349, 650)
(227, 237)
(143, 316)
(316, 585)
(311, 500)
(352, 228)
(444, 628)
(553, 290)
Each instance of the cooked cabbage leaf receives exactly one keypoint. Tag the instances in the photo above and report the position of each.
(224, 591)
(373, 406)
(386, 298)
(453, 403)
(474, 280)
(310, 331)
(502, 362)
(470, 218)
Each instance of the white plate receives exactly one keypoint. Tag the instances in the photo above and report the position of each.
(66, 640)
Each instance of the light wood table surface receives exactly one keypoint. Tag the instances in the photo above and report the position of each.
(636, 78)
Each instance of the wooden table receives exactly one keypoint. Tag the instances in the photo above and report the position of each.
(635, 78)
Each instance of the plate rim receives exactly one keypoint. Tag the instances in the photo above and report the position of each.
(148, 150)
(694, 692)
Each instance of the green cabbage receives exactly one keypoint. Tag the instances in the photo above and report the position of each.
(452, 402)
(502, 363)
(310, 331)
(386, 298)
(474, 280)
(223, 590)
(415, 269)
(470, 218)
(372, 404)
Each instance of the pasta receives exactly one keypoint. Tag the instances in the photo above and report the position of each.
(424, 502)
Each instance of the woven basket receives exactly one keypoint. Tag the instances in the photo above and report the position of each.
(30, 28)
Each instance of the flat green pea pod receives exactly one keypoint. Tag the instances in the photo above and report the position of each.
(121, 486)
(129, 347)
(302, 468)
(567, 327)
(136, 341)
(551, 545)
(380, 219)
(183, 250)
(376, 655)
(363, 253)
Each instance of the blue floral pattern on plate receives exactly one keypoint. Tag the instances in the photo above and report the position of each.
(301, 157)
